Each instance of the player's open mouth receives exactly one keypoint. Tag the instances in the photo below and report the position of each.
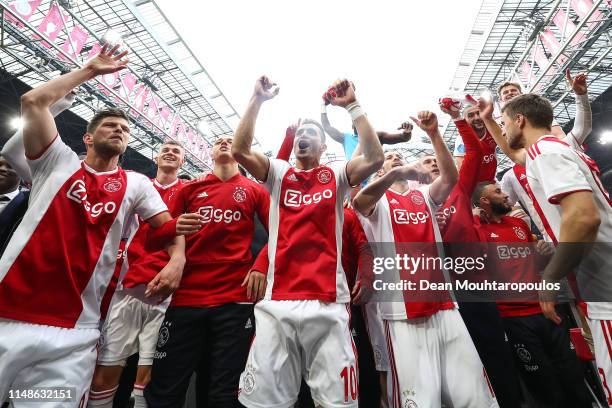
(303, 145)
(169, 158)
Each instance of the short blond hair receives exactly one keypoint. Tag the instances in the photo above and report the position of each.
(508, 83)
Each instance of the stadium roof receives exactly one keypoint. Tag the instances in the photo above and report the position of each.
(181, 100)
(533, 42)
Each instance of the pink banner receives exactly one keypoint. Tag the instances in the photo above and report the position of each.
(75, 42)
(582, 8)
(128, 82)
(52, 24)
(127, 89)
(24, 8)
(560, 20)
(540, 57)
(552, 45)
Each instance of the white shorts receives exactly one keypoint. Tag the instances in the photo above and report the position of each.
(34, 355)
(602, 341)
(130, 327)
(295, 339)
(434, 361)
(376, 333)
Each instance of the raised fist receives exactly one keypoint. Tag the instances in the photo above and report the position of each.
(341, 93)
(578, 84)
(265, 89)
(449, 108)
(426, 120)
(406, 128)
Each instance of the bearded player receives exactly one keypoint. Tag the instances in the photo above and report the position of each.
(56, 268)
(433, 359)
(576, 212)
(303, 321)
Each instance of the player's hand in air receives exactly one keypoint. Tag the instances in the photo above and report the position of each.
(265, 89)
(106, 62)
(341, 93)
(578, 84)
(485, 107)
(427, 121)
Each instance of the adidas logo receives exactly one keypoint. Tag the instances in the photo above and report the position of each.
(248, 324)
(494, 235)
(394, 201)
(292, 177)
(353, 333)
(202, 195)
(523, 176)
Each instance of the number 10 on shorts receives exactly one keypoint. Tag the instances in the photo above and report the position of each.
(351, 385)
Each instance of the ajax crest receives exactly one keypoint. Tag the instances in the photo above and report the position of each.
(240, 194)
(520, 233)
(417, 199)
(112, 185)
(324, 176)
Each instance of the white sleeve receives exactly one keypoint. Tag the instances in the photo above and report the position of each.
(148, 201)
(14, 153)
(14, 150)
(507, 186)
(55, 157)
(559, 174)
(277, 170)
(583, 123)
(459, 149)
(342, 186)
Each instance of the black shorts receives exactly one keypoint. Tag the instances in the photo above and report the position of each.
(214, 342)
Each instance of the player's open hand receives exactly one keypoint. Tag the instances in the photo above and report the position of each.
(548, 307)
(255, 283)
(165, 282)
(265, 89)
(341, 93)
(361, 293)
(106, 62)
(188, 224)
(427, 121)
(578, 84)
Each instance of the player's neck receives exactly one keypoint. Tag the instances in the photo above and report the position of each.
(164, 177)
(401, 186)
(495, 218)
(99, 163)
(306, 164)
(532, 135)
(481, 133)
(225, 171)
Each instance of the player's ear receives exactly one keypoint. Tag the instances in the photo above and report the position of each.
(323, 147)
(88, 139)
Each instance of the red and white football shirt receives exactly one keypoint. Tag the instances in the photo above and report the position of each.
(488, 167)
(509, 233)
(305, 240)
(554, 170)
(143, 266)
(458, 206)
(62, 256)
(219, 255)
(403, 218)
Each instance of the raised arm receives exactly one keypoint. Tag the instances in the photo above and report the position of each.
(254, 162)
(366, 199)
(485, 106)
(361, 167)
(39, 127)
(468, 172)
(442, 186)
(583, 122)
(14, 151)
(334, 133)
(394, 138)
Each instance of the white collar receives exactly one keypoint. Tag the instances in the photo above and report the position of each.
(11, 195)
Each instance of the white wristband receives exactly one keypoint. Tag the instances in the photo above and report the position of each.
(323, 108)
(355, 110)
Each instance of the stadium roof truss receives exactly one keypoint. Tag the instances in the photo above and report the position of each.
(533, 42)
(160, 61)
